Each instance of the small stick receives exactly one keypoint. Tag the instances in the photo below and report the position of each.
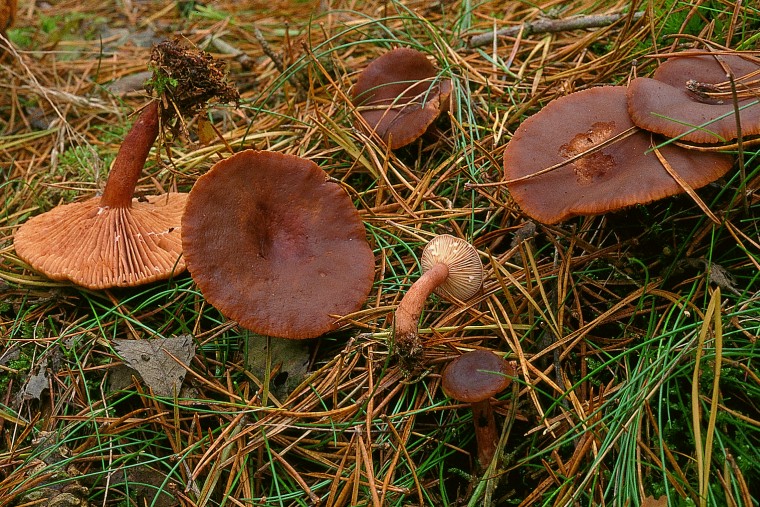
(295, 79)
(226, 48)
(551, 26)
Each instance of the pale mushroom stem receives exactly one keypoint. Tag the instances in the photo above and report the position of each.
(406, 337)
(130, 159)
(486, 434)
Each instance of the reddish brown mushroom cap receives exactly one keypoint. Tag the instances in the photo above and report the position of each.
(476, 376)
(99, 247)
(692, 90)
(399, 95)
(276, 246)
(621, 174)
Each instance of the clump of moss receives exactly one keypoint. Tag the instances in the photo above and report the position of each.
(185, 78)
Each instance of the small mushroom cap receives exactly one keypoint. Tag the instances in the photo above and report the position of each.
(674, 100)
(476, 376)
(100, 247)
(621, 174)
(465, 269)
(399, 95)
(275, 245)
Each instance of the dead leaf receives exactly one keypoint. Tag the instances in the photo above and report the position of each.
(153, 360)
(34, 386)
(289, 359)
(651, 501)
(148, 485)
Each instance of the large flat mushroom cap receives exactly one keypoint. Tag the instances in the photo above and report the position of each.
(621, 174)
(476, 376)
(676, 99)
(399, 95)
(275, 246)
(100, 247)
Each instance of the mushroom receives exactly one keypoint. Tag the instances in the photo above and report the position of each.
(689, 96)
(7, 15)
(474, 377)
(451, 268)
(113, 240)
(275, 245)
(581, 155)
(399, 95)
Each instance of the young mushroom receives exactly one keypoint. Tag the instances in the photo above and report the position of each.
(582, 155)
(113, 240)
(275, 245)
(451, 268)
(690, 97)
(399, 95)
(474, 377)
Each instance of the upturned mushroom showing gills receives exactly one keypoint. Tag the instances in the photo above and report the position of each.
(276, 246)
(399, 95)
(474, 377)
(451, 267)
(582, 155)
(690, 97)
(113, 240)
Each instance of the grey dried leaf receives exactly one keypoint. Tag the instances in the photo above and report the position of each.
(153, 360)
(33, 388)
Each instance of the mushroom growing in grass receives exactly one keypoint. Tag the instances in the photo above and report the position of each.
(690, 97)
(474, 377)
(399, 95)
(114, 240)
(451, 268)
(276, 246)
(582, 155)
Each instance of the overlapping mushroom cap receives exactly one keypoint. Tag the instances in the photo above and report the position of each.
(399, 95)
(476, 376)
(113, 240)
(99, 247)
(689, 96)
(275, 245)
(612, 176)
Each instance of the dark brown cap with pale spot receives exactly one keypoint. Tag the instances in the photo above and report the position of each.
(465, 269)
(690, 97)
(400, 94)
(276, 246)
(622, 173)
(99, 246)
(476, 376)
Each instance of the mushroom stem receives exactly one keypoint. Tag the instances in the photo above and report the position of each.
(486, 434)
(406, 337)
(130, 159)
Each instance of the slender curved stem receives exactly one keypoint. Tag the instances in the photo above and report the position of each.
(131, 158)
(408, 347)
(486, 434)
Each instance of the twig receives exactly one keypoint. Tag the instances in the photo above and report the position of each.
(298, 81)
(226, 48)
(551, 26)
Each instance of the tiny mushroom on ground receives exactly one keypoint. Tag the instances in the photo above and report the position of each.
(451, 267)
(276, 246)
(474, 377)
(690, 97)
(582, 155)
(114, 240)
(399, 95)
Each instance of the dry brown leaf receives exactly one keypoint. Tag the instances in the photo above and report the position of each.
(153, 360)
